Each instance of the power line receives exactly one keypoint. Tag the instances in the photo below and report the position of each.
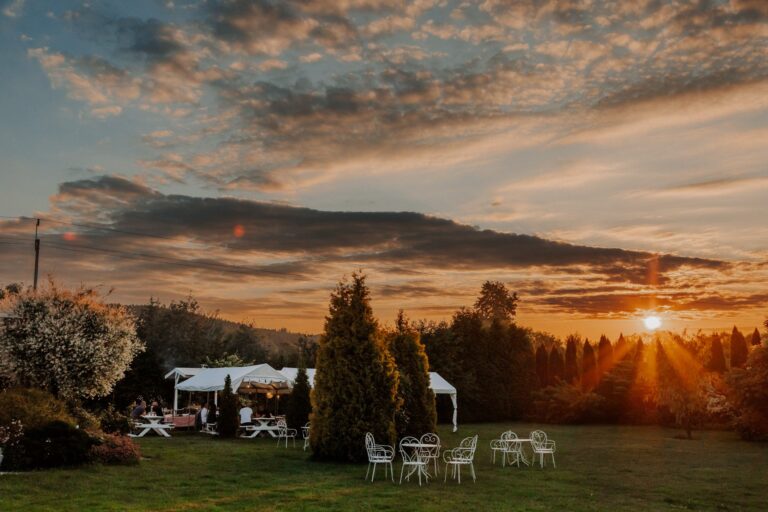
(102, 227)
(169, 260)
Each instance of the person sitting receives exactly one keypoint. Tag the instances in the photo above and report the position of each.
(156, 408)
(139, 410)
(246, 416)
(202, 416)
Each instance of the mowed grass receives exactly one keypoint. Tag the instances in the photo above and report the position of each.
(598, 468)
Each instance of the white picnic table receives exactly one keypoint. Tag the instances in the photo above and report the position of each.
(264, 424)
(422, 451)
(152, 425)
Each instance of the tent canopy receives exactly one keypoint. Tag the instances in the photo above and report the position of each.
(439, 386)
(212, 379)
(184, 373)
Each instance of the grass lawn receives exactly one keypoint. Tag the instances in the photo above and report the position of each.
(599, 468)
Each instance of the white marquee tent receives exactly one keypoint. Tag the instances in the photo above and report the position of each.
(439, 386)
(212, 379)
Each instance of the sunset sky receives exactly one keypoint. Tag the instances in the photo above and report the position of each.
(606, 160)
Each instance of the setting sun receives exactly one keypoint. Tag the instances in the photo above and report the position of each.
(652, 322)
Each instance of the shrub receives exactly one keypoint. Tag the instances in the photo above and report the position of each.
(32, 407)
(116, 450)
(227, 422)
(69, 343)
(299, 405)
(53, 445)
(750, 396)
(567, 403)
(114, 422)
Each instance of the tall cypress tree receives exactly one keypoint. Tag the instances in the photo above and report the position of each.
(556, 367)
(355, 379)
(417, 414)
(755, 338)
(299, 405)
(227, 422)
(739, 350)
(571, 361)
(716, 361)
(588, 368)
(604, 356)
(542, 364)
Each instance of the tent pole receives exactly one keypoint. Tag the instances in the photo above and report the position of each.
(216, 398)
(455, 412)
(175, 395)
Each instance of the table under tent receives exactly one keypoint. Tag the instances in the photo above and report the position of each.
(439, 386)
(260, 378)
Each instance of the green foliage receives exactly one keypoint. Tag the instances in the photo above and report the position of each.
(67, 342)
(227, 422)
(355, 379)
(571, 360)
(716, 361)
(749, 394)
(680, 391)
(542, 366)
(556, 367)
(739, 350)
(755, 340)
(226, 361)
(300, 404)
(588, 368)
(617, 383)
(416, 415)
(33, 407)
(496, 302)
(446, 356)
(115, 450)
(567, 403)
(52, 445)
(604, 356)
(114, 422)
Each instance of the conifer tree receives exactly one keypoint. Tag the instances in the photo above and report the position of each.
(604, 356)
(227, 422)
(355, 380)
(716, 361)
(542, 364)
(739, 350)
(299, 405)
(571, 361)
(556, 367)
(417, 413)
(755, 338)
(588, 368)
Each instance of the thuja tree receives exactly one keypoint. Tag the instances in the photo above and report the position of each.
(299, 405)
(556, 367)
(542, 366)
(417, 412)
(571, 360)
(588, 367)
(739, 351)
(227, 422)
(67, 342)
(355, 379)
(749, 395)
(716, 362)
(755, 341)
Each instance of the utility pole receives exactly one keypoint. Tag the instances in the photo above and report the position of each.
(37, 254)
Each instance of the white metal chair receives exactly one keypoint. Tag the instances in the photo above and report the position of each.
(431, 453)
(500, 445)
(305, 435)
(379, 454)
(463, 455)
(412, 458)
(542, 446)
(283, 432)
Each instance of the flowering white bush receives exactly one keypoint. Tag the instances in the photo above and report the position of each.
(69, 343)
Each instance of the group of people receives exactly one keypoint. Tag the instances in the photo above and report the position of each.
(140, 409)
